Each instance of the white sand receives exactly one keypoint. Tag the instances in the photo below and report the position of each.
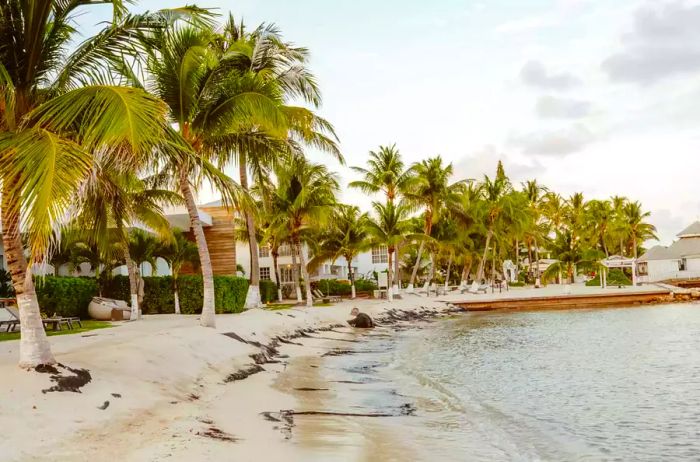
(169, 373)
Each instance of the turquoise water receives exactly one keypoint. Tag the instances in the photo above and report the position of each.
(619, 384)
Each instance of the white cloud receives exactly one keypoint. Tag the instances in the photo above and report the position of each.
(525, 24)
(552, 107)
(535, 74)
(664, 41)
(484, 161)
(559, 142)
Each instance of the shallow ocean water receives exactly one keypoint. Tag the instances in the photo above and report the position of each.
(617, 384)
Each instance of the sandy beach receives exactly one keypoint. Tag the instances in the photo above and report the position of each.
(159, 388)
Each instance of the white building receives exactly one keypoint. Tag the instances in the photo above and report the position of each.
(681, 260)
(364, 265)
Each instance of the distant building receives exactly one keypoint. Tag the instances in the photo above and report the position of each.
(680, 260)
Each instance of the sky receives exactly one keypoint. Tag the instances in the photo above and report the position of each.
(592, 96)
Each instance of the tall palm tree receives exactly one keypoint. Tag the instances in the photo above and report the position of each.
(389, 226)
(431, 190)
(572, 256)
(304, 198)
(212, 104)
(346, 236)
(179, 252)
(538, 231)
(282, 67)
(51, 123)
(386, 174)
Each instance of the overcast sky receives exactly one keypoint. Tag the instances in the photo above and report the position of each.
(597, 96)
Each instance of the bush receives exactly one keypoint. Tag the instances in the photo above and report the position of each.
(268, 291)
(342, 287)
(517, 284)
(616, 277)
(65, 296)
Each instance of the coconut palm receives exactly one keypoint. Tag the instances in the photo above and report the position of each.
(179, 252)
(51, 123)
(282, 67)
(572, 256)
(638, 229)
(346, 236)
(389, 226)
(304, 197)
(112, 203)
(539, 229)
(431, 190)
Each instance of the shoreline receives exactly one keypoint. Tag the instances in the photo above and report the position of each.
(135, 408)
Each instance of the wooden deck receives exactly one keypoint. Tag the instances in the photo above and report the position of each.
(567, 301)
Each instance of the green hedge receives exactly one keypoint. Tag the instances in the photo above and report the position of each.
(65, 296)
(70, 296)
(615, 278)
(268, 291)
(342, 287)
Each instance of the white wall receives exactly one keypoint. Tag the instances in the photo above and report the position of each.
(661, 270)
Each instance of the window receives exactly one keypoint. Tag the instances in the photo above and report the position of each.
(682, 264)
(265, 273)
(380, 254)
(643, 268)
(286, 274)
(285, 250)
(263, 251)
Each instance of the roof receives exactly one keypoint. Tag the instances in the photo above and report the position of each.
(682, 248)
(691, 231)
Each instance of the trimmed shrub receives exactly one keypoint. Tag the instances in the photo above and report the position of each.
(342, 287)
(616, 277)
(517, 284)
(65, 296)
(158, 294)
(268, 291)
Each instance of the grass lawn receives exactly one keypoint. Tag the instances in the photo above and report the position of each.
(87, 326)
(286, 306)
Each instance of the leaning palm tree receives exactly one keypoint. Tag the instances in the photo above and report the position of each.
(212, 105)
(178, 252)
(52, 121)
(282, 67)
(346, 236)
(389, 226)
(303, 198)
(431, 190)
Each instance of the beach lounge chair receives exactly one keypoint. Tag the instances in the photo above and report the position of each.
(56, 322)
(331, 298)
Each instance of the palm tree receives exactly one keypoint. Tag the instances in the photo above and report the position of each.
(114, 202)
(282, 67)
(51, 123)
(432, 191)
(498, 203)
(179, 252)
(538, 231)
(571, 255)
(212, 105)
(346, 237)
(386, 174)
(638, 229)
(303, 198)
(389, 226)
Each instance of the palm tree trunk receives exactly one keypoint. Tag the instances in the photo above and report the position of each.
(34, 347)
(275, 256)
(131, 269)
(449, 267)
(305, 275)
(295, 272)
(389, 275)
(252, 298)
(537, 268)
(397, 279)
(351, 276)
(412, 281)
(208, 317)
(634, 246)
(482, 263)
(176, 295)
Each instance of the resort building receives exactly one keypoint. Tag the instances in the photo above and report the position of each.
(680, 260)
